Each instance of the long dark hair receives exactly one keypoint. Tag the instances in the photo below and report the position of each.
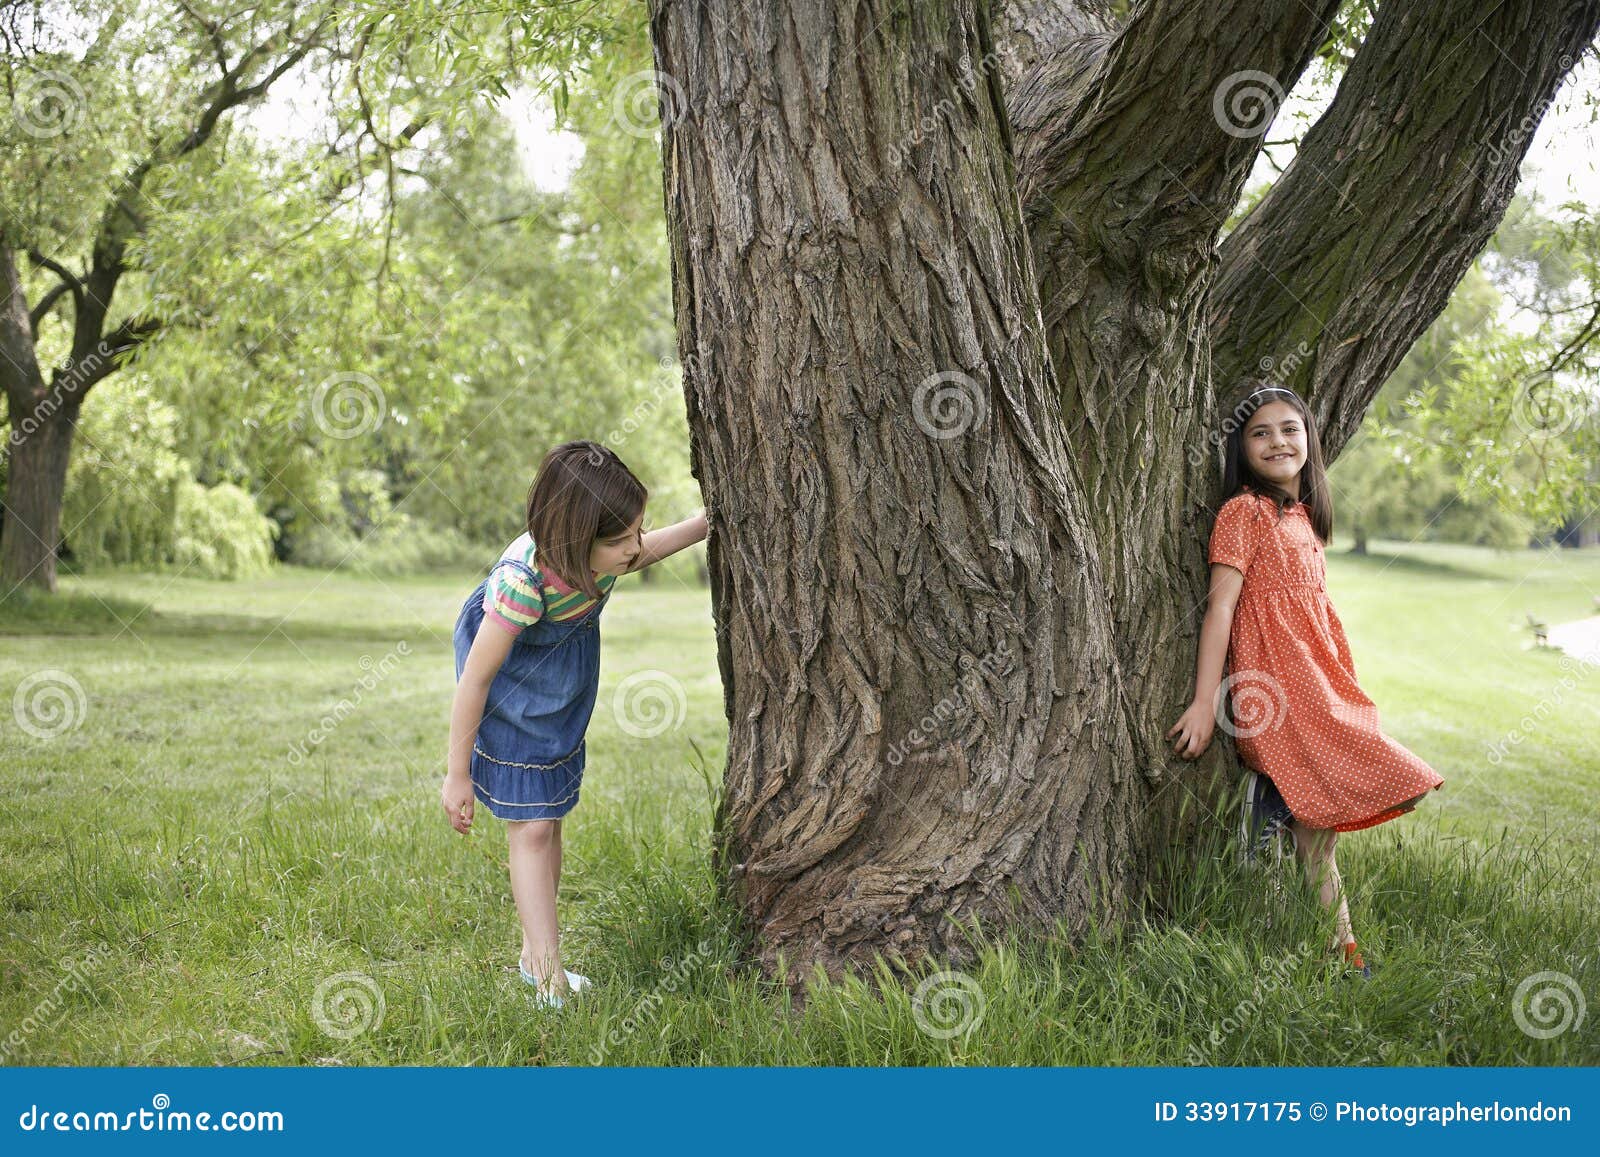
(582, 492)
(1238, 476)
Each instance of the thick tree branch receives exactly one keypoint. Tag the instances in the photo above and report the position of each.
(1131, 151)
(1029, 34)
(1187, 89)
(68, 283)
(19, 367)
(1580, 341)
(1394, 192)
(75, 379)
(1132, 146)
(213, 31)
(228, 93)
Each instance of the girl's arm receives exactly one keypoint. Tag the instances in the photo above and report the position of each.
(669, 540)
(489, 651)
(1194, 727)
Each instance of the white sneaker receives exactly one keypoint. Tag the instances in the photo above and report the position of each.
(575, 982)
(541, 998)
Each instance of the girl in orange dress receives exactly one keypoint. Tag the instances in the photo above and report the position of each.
(1319, 762)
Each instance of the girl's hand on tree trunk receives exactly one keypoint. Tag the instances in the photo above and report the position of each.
(1193, 729)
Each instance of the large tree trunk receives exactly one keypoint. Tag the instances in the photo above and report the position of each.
(30, 536)
(921, 680)
(948, 370)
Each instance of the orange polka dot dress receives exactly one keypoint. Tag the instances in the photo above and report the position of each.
(1296, 711)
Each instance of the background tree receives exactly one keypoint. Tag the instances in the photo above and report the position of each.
(126, 190)
(83, 185)
(1475, 438)
(958, 333)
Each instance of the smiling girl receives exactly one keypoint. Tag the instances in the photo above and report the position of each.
(1319, 762)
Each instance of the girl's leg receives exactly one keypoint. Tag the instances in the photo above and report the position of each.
(558, 856)
(1314, 847)
(533, 886)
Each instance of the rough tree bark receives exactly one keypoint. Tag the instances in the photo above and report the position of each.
(875, 567)
(1132, 149)
(951, 640)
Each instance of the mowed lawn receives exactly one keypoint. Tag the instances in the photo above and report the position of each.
(221, 844)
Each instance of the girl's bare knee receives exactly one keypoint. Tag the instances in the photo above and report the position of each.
(1314, 845)
(532, 835)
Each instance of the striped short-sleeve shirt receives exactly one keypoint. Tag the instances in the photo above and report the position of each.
(514, 603)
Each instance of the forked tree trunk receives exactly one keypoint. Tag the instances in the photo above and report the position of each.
(948, 375)
(1132, 150)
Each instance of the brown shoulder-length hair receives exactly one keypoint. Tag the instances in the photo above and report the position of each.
(1238, 476)
(582, 492)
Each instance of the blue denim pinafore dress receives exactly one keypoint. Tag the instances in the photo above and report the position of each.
(528, 757)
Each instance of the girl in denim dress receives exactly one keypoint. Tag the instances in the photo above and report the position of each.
(526, 682)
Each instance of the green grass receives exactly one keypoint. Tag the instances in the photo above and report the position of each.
(179, 888)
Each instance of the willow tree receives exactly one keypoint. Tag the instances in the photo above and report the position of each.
(120, 136)
(960, 321)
